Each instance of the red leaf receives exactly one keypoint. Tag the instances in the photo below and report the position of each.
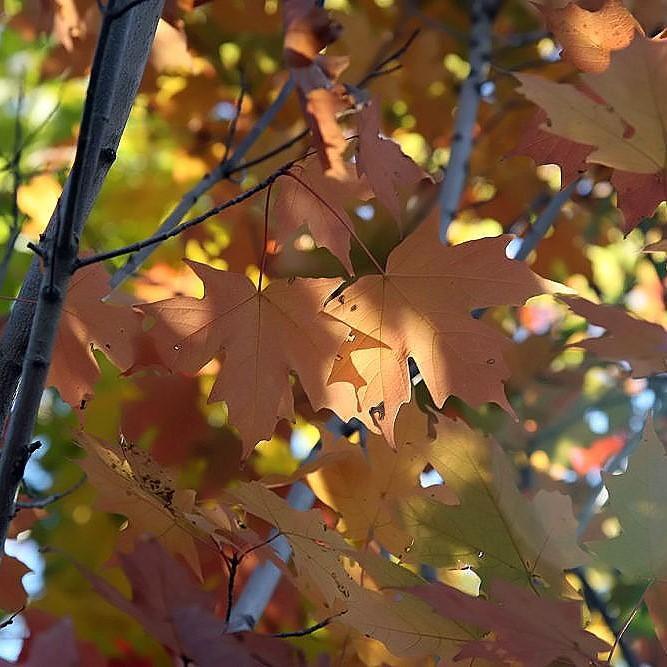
(531, 630)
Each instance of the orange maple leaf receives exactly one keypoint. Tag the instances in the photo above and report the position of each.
(421, 308)
(260, 336)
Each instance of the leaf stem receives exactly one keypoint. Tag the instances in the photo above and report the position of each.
(262, 266)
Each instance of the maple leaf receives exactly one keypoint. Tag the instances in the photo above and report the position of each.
(642, 344)
(638, 498)
(309, 29)
(170, 606)
(407, 627)
(128, 482)
(316, 200)
(621, 116)
(527, 629)
(261, 336)
(494, 529)
(366, 486)
(383, 162)
(421, 308)
(87, 322)
(588, 37)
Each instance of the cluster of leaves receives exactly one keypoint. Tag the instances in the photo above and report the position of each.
(462, 415)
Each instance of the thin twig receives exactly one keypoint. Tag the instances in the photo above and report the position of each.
(379, 68)
(188, 224)
(269, 154)
(265, 243)
(27, 139)
(10, 619)
(229, 142)
(413, 8)
(310, 629)
(482, 13)
(233, 566)
(261, 585)
(39, 503)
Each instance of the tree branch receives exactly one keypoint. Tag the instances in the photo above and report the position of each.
(482, 13)
(115, 55)
(10, 619)
(130, 38)
(594, 601)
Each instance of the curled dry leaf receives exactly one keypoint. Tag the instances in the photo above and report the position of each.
(313, 199)
(381, 160)
(129, 482)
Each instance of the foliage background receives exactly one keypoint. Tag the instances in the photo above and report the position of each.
(574, 411)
